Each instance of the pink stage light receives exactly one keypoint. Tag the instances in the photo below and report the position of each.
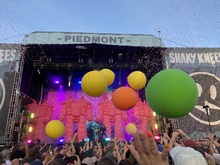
(29, 141)
(156, 137)
(56, 82)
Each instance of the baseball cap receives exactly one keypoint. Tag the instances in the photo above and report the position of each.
(189, 143)
(187, 156)
(216, 158)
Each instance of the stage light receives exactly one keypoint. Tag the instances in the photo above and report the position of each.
(86, 139)
(155, 126)
(56, 82)
(107, 139)
(38, 71)
(61, 86)
(29, 141)
(79, 82)
(32, 115)
(30, 129)
(70, 75)
(156, 137)
(61, 140)
(81, 47)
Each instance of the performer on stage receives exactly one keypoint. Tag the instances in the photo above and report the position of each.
(103, 131)
(110, 114)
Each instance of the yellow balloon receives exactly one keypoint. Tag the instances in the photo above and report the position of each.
(131, 128)
(94, 83)
(137, 80)
(109, 75)
(54, 129)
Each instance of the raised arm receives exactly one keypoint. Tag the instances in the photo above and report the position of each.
(148, 151)
(172, 142)
(183, 134)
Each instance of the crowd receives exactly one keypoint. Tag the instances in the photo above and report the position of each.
(179, 149)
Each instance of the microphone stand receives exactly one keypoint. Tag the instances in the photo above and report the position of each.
(206, 107)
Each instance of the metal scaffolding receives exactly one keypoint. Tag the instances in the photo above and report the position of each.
(13, 107)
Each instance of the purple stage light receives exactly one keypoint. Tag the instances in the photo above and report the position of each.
(57, 82)
(61, 86)
(61, 140)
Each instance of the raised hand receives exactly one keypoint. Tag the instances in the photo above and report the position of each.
(147, 150)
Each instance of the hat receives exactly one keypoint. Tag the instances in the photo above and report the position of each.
(89, 160)
(5, 153)
(189, 143)
(187, 156)
(216, 158)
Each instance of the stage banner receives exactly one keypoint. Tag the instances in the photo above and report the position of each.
(9, 63)
(203, 65)
(141, 40)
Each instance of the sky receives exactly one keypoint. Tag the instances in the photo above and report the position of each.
(179, 23)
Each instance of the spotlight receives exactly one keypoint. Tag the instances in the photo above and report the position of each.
(107, 139)
(79, 82)
(155, 126)
(156, 137)
(70, 78)
(29, 141)
(38, 71)
(56, 82)
(61, 140)
(120, 55)
(32, 115)
(30, 129)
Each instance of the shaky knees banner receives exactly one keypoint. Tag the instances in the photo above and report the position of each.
(203, 65)
(9, 63)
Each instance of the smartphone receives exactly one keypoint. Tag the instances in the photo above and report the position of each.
(86, 139)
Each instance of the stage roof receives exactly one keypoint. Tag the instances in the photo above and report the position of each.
(45, 60)
(62, 38)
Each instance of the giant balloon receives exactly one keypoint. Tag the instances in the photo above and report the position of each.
(124, 98)
(54, 129)
(172, 93)
(109, 75)
(94, 83)
(130, 128)
(137, 80)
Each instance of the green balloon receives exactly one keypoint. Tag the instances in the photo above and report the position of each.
(171, 93)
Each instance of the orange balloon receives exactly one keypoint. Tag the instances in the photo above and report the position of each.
(124, 98)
